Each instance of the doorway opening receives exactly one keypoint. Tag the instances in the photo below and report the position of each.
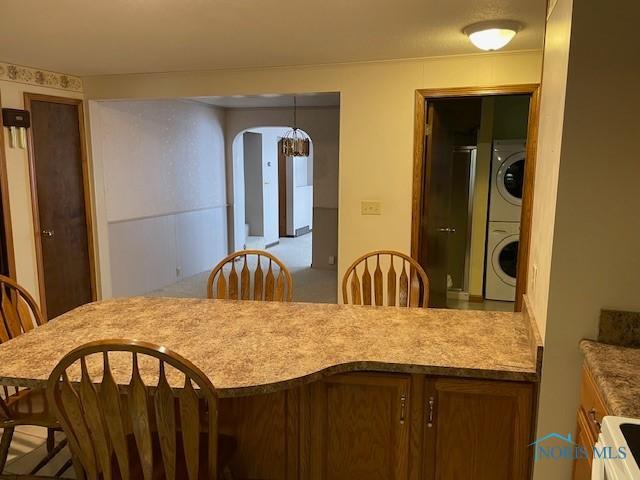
(274, 208)
(278, 191)
(473, 176)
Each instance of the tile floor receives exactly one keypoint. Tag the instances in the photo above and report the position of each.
(490, 305)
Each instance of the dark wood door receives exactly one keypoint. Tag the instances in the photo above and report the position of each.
(360, 427)
(479, 429)
(61, 220)
(436, 207)
(282, 192)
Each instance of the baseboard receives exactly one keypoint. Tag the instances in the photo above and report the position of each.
(272, 244)
(476, 298)
(302, 231)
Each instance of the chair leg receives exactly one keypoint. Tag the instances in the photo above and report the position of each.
(5, 443)
(51, 439)
(50, 456)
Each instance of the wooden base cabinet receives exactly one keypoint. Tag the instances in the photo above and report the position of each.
(590, 414)
(359, 425)
(478, 429)
(370, 426)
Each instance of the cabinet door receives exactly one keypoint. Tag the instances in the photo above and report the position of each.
(584, 438)
(360, 427)
(479, 429)
(261, 424)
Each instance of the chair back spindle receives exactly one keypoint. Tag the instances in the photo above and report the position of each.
(275, 285)
(137, 430)
(19, 313)
(409, 288)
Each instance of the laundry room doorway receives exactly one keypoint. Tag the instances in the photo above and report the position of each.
(473, 184)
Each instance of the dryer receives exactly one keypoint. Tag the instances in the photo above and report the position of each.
(507, 180)
(502, 261)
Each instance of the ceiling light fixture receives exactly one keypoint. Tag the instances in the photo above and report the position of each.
(295, 143)
(493, 34)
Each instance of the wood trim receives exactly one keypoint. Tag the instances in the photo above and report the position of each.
(420, 120)
(421, 97)
(86, 184)
(524, 247)
(6, 210)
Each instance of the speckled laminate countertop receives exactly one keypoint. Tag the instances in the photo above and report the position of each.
(616, 372)
(256, 347)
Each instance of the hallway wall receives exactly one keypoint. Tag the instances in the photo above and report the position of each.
(254, 211)
(160, 192)
(594, 204)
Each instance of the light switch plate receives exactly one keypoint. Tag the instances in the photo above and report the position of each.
(371, 207)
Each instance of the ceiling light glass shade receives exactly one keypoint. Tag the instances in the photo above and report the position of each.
(295, 144)
(492, 35)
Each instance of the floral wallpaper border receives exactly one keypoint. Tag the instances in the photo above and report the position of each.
(43, 78)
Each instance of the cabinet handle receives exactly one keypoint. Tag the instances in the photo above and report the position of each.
(594, 419)
(403, 406)
(430, 407)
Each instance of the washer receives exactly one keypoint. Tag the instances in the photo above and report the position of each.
(507, 180)
(502, 261)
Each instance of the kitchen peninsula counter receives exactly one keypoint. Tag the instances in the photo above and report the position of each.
(247, 347)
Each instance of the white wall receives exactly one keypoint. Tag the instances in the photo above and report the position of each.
(551, 117)
(595, 259)
(160, 183)
(301, 180)
(270, 137)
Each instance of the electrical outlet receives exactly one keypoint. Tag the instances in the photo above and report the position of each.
(332, 260)
(178, 271)
(371, 207)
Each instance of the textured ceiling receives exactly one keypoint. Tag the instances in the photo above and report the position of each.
(131, 36)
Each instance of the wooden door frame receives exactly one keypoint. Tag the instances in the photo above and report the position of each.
(6, 210)
(421, 97)
(79, 103)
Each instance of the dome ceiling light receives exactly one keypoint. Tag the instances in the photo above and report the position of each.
(492, 34)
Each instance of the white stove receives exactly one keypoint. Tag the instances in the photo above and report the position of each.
(616, 455)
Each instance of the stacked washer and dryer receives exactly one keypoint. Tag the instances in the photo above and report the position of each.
(505, 205)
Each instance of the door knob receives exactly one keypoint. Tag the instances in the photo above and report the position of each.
(48, 233)
(446, 230)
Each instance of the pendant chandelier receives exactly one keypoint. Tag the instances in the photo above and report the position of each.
(295, 143)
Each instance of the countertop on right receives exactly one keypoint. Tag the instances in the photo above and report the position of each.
(616, 372)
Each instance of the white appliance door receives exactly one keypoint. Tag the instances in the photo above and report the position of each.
(510, 178)
(597, 466)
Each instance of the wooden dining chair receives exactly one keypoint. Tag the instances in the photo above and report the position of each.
(274, 286)
(19, 313)
(406, 285)
(137, 431)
